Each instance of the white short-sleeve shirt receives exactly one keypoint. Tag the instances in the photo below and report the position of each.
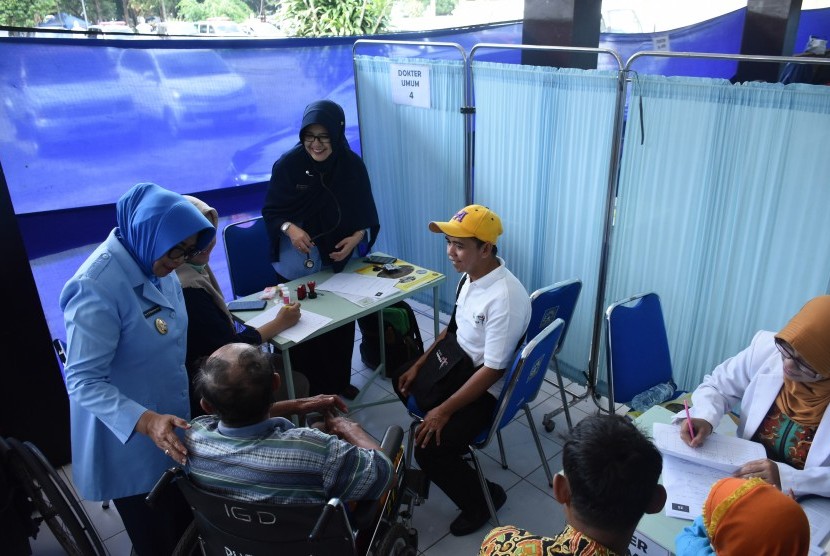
(492, 314)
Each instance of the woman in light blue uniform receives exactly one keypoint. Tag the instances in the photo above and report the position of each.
(126, 327)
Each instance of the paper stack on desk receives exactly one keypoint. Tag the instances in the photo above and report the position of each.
(359, 289)
(689, 473)
(726, 453)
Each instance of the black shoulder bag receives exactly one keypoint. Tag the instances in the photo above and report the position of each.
(446, 368)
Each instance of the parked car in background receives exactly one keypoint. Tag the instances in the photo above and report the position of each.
(173, 27)
(258, 28)
(220, 28)
(111, 28)
(620, 21)
(51, 103)
(185, 89)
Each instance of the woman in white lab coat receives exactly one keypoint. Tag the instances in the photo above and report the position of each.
(781, 382)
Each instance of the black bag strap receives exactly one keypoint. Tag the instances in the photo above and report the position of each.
(453, 326)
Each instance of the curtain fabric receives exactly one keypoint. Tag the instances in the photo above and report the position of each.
(416, 161)
(543, 145)
(722, 210)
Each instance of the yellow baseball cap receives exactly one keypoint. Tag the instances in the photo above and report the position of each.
(471, 221)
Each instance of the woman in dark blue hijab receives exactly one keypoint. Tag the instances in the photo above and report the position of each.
(319, 208)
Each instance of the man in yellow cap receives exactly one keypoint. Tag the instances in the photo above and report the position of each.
(491, 315)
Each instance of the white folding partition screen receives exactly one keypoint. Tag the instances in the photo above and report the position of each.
(544, 151)
(415, 154)
(722, 190)
(722, 209)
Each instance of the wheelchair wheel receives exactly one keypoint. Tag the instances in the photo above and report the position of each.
(396, 542)
(189, 543)
(53, 500)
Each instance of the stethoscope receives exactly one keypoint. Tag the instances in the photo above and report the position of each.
(309, 262)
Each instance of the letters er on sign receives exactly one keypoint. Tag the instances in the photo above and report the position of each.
(410, 84)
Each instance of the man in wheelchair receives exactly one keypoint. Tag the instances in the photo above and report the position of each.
(240, 452)
(257, 484)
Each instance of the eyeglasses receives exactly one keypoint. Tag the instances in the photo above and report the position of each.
(310, 137)
(788, 353)
(179, 252)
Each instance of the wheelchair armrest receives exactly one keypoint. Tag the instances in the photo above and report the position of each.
(165, 479)
(365, 511)
(323, 520)
(392, 441)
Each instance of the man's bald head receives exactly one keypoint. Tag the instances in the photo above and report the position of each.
(237, 381)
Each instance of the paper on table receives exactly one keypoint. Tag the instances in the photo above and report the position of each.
(360, 285)
(359, 300)
(687, 486)
(309, 323)
(818, 513)
(726, 453)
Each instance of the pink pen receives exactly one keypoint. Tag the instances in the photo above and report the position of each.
(689, 421)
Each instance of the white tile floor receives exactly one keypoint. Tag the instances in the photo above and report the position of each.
(530, 503)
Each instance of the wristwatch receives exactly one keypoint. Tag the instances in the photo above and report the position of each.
(285, 226)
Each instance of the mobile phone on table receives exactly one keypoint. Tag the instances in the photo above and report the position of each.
(380, 259)
(247, 305)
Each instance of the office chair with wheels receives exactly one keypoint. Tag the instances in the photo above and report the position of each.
(637, 348)
(42, 496)
(225, 526)
(248, 251)
(522, 383)
(557, 301)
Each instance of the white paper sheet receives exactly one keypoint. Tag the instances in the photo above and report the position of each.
(309, 323)
(359, 300)
(727, 453)
(687, 486)
(818, 513)
(360, 285)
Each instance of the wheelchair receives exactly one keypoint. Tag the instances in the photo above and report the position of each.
(223, 526)
(34, 493)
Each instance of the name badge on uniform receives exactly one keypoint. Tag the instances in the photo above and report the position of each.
(161, 326)
(152, 311)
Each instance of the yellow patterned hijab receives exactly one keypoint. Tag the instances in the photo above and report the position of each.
(808, 332)
(751, 516)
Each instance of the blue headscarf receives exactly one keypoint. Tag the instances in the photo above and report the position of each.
(152, 220)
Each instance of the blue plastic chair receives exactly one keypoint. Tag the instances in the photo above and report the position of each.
(557, 301)
(522, 383)
(248, 251)
(637, 352)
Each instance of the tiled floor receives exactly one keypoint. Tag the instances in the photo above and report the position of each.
(530, 503)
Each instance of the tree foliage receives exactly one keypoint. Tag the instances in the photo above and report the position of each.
(312, 18)
(25, 13)
(194, 10)
(306, 18)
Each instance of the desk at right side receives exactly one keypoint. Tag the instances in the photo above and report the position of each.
(656, 533)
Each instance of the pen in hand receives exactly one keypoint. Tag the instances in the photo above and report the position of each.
(689, 421)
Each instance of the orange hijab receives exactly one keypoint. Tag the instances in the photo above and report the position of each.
(750, 516)
(808, 332)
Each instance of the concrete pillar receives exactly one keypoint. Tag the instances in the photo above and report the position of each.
(769, 29)
(561, 23)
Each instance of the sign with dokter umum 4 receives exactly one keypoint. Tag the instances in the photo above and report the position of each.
(410, 84)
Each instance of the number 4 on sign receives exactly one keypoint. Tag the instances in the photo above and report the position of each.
(411, 94)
